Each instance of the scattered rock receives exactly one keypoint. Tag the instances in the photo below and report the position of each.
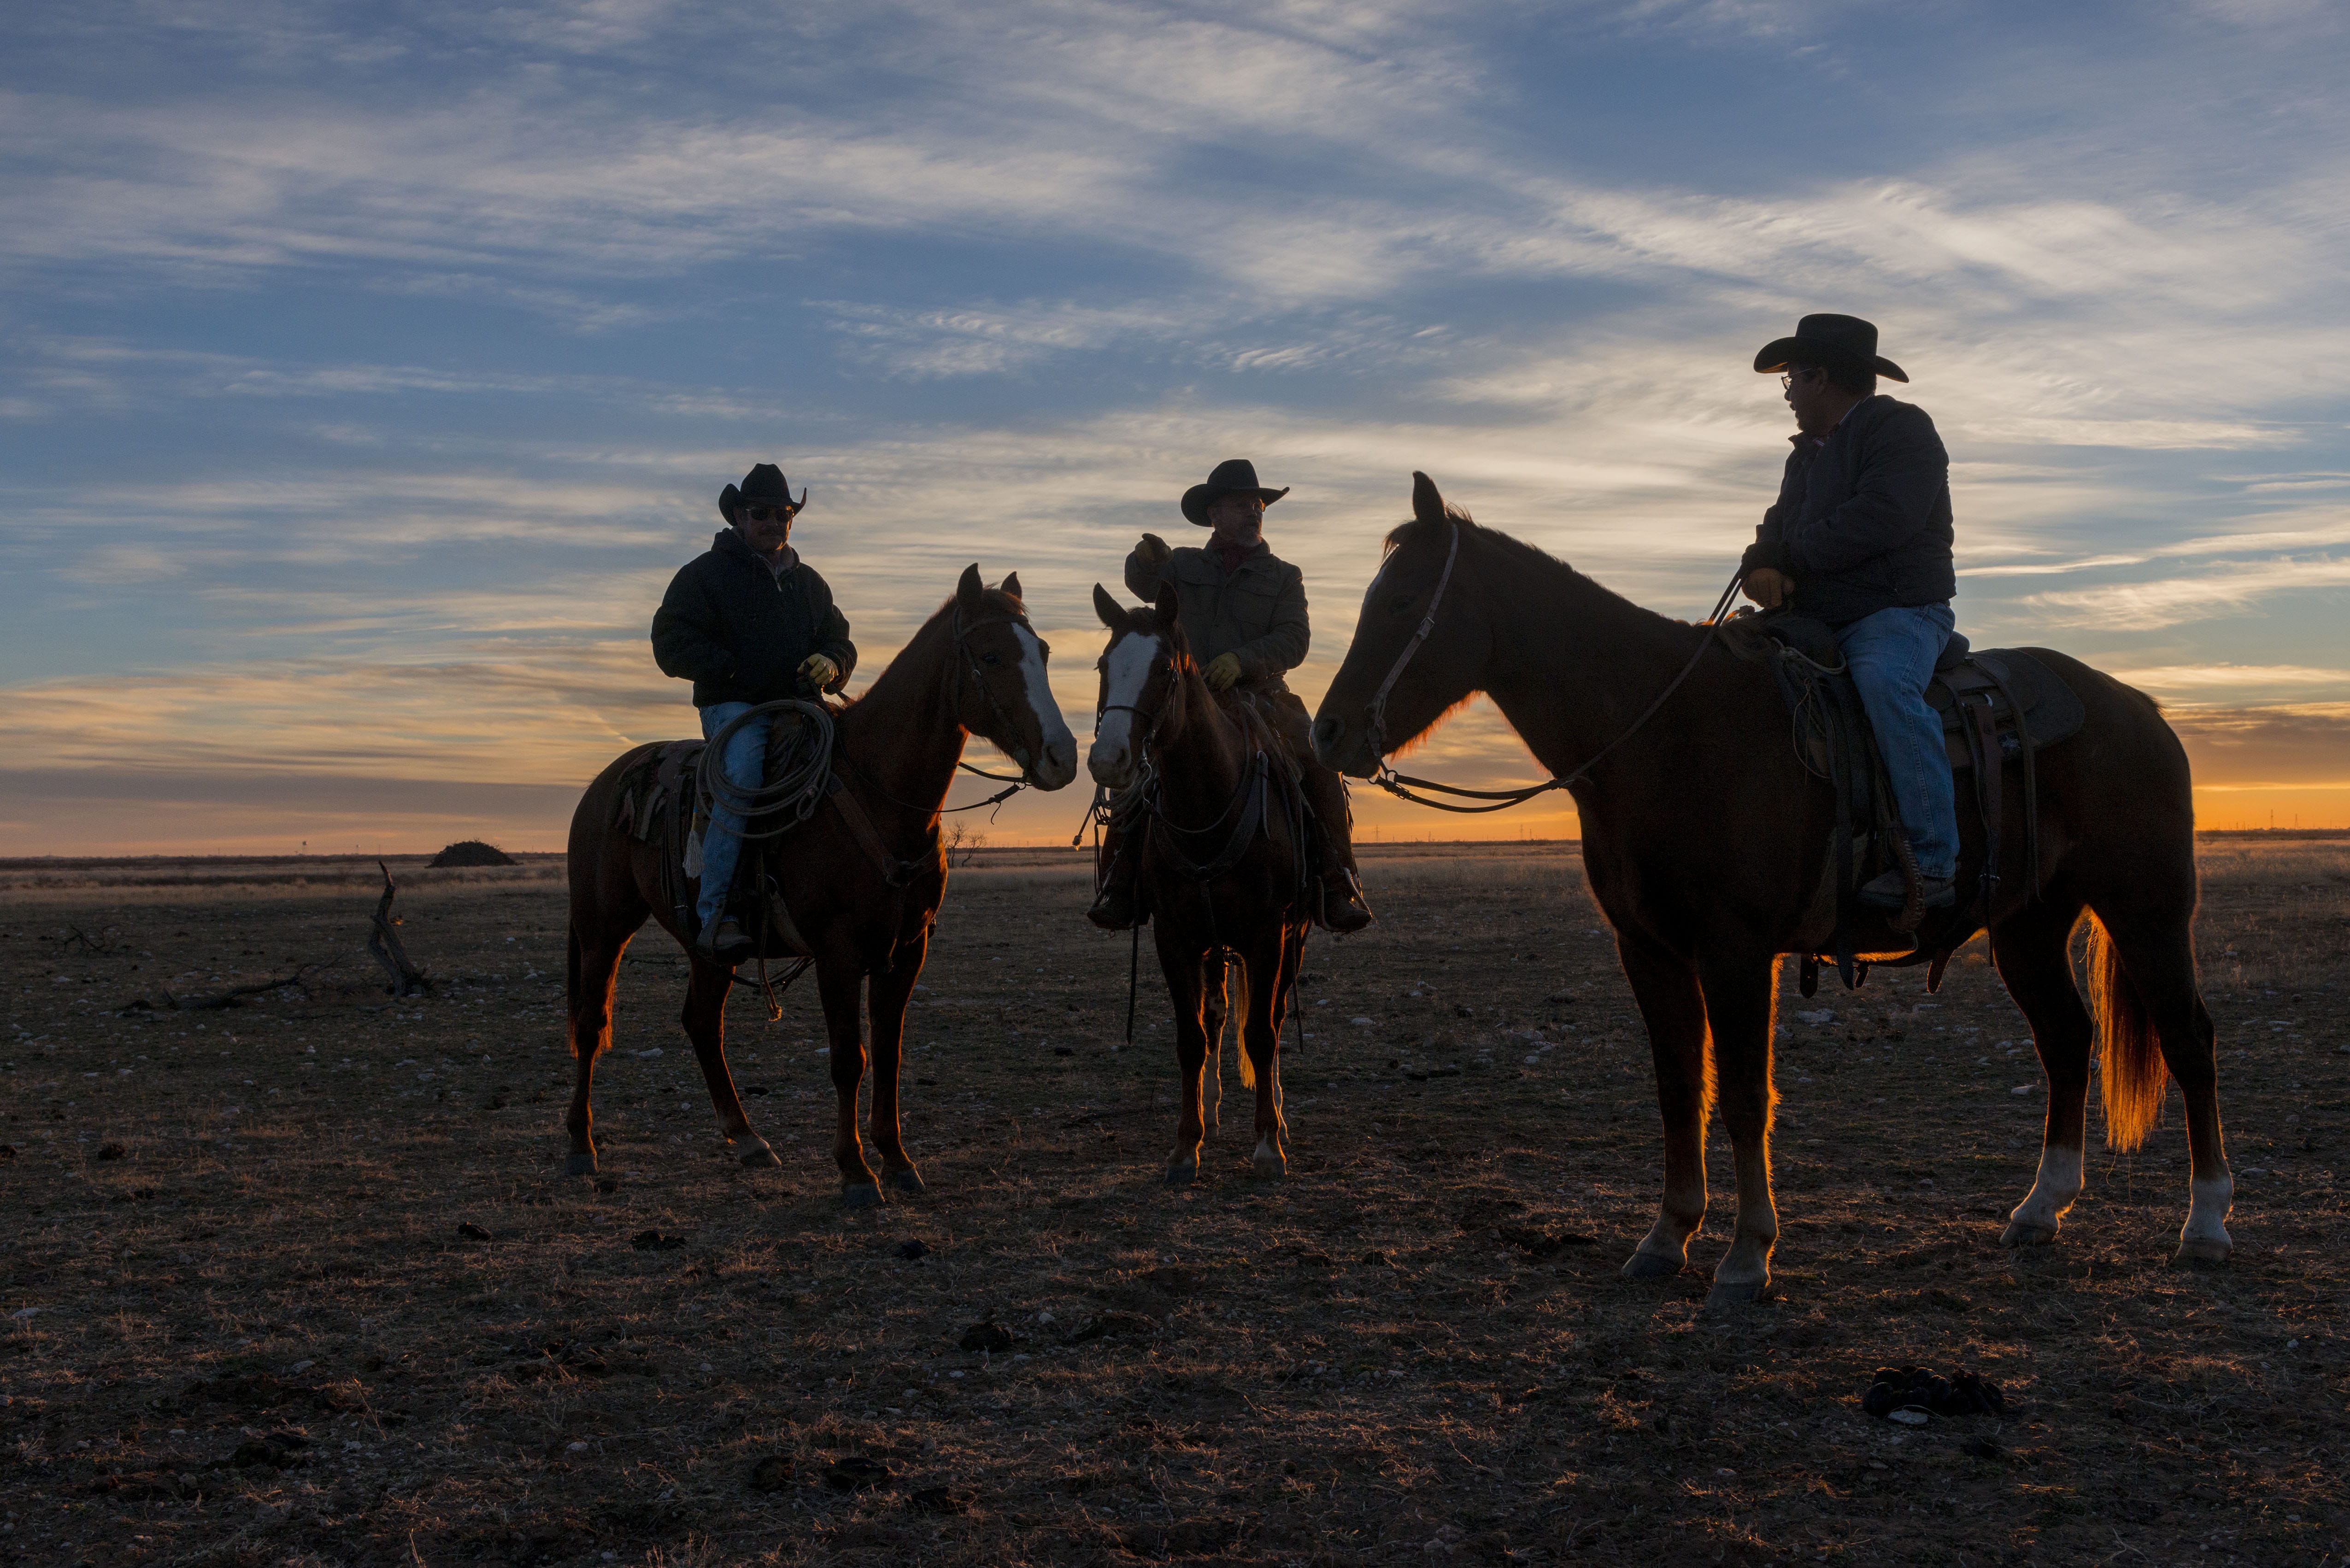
(1063, 1051)
(112, 1151)
(943, 1499)
(8, 1152)
(992, 1338)
(655, 1241)
(857, 1473)
(1897, 1390)
(472, 852)
(607, 1184)
(773, 1473)
(472, 1233)
(914, 1249)
(1110, 1325)
(273, 1451)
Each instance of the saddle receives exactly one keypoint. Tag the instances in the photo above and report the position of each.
(660, 804)
(1999, 707)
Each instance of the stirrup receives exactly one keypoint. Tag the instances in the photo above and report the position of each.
(1345, 910)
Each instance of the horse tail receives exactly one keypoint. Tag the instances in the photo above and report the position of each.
(1236, 1009)
(2129, 1049)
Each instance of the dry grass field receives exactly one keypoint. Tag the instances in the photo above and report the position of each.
(298, 1282)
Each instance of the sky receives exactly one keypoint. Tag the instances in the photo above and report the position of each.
(365, 371)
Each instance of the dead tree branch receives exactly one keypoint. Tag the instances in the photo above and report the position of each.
(383, 943)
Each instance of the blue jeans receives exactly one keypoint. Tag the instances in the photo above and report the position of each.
(746, 763)
(1891, 655)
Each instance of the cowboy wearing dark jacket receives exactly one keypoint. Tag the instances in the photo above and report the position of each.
(1243, 611)
(1860, 538)
(747, 622)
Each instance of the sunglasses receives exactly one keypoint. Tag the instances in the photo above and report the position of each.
(764, 514)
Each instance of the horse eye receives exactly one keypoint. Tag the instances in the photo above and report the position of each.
(1400, 603)
(989, 659)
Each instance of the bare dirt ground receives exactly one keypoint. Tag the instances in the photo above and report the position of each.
(298, 1282)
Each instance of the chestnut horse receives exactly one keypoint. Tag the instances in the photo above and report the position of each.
(1707, 845)
(1220, 859)
(975, 667)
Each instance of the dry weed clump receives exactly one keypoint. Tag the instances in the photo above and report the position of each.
(297, 1282)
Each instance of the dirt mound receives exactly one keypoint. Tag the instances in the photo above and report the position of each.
(474, 852)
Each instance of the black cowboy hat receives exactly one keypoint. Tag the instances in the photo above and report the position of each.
(1828, 341)
(1234, 476)
(762, 486)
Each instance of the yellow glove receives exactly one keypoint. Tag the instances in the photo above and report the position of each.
(818, 671)
(1224, 671)
(1153, 549)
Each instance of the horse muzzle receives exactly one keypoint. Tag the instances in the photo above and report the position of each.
(1058, 765)
(1346, 751)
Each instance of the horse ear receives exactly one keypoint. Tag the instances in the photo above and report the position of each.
(968, 588)
(1012, 583)
(1167, 605)
(1113, 614)
(1425, 504)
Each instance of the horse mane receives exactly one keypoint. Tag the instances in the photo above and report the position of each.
(1535, 563)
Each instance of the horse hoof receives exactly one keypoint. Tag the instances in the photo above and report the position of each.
(1725, 1294)
(861, 1195)
(2201, 1255)
(905, 1180)
(579, 1165)
(1182, 1175)
(2021, 1234)
(1649, 1266)
(761, 1158)
(1269, 1169)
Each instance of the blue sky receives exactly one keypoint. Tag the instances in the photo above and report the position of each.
(365, 371)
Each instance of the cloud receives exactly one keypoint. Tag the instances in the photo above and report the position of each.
(2168, 602)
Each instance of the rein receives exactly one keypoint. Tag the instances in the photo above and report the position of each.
(1396, 783)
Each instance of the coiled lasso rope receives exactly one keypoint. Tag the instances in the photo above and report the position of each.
(794, 795)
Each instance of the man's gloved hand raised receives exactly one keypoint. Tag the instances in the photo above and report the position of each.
(818, 671)
(1153, 549)
(1224, 671)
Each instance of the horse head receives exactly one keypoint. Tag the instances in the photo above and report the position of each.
(1001, 691)
(1142, 693)
(1422, 644)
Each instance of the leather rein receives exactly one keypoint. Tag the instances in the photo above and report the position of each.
(1396, 783)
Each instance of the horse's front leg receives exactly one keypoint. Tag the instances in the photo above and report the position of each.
(887, 993)
(594, 962)
(1217, 1000)
(836, 978)
(705, 1025)
(1270, 966)
(1185, 967)
(1738, 990)
(1665, 986)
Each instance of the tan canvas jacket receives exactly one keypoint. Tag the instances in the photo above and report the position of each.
(1257, 611)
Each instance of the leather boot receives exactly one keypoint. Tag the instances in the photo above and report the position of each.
(1343, 908)
(1114, 906)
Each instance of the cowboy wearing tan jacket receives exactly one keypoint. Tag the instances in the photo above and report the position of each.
(1243, 610)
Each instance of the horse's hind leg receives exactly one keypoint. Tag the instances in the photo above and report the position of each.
(887, 994)
(838, 974)
(2033, 948)
(2147, 987)
(591, 964)
(1665, 985)
(1217, 1005)
(1738, 998)
(705, 1024)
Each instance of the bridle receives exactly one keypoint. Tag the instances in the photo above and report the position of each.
(1375, 722)
(1003, 719)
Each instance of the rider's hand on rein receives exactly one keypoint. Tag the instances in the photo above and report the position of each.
(819, 672)
(1769, 587)
(1224, 671)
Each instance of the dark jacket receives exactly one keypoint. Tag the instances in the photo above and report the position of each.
(1257, 611)
(738, 631)
(1863, 522)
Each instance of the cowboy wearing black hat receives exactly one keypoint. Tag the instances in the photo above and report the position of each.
(1243, 610)
(1860, 538)
(747, 622)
